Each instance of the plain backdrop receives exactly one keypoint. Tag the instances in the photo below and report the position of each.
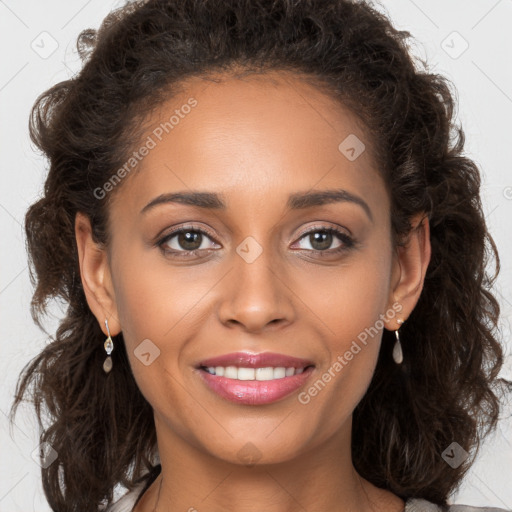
(470, 42)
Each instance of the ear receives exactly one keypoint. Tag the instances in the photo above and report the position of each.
(410, 264)
(96, 277)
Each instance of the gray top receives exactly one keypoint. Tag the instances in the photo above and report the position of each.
(127, 503)
(417, 505)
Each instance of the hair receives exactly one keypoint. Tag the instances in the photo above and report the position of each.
(447, 387)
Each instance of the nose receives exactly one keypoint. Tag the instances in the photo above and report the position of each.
(257, 295)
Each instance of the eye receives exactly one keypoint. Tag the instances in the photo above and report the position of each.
(321, 240)
(186, 240)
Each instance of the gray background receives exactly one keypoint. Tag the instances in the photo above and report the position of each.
(470, 42)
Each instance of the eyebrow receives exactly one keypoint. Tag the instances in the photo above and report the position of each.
(296, 201)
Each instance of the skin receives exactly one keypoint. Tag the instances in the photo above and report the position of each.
(255, 141)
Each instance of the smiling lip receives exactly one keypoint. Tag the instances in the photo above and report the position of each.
(255, 392)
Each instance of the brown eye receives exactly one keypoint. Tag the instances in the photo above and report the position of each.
(321, 240)
(186, 240)
(189, 240)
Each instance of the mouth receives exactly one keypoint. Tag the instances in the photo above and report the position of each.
(254, 379)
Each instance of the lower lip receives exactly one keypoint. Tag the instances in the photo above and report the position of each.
(255, 392)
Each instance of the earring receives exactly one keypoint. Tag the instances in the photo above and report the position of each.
(109, 346)
(398, 355)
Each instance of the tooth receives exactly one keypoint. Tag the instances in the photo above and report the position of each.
(264, 373)
(231, 372)
(245, 373)
(279, 372)
(268, 373)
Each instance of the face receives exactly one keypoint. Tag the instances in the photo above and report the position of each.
(258, 267)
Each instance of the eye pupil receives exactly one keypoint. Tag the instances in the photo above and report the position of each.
(324, 237)
(189, 237)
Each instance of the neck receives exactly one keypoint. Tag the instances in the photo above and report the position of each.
(322, 478)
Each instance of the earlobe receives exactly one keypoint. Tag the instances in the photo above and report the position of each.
(95, 276)
(412, 260)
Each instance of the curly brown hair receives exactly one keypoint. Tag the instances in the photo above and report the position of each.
(445, 390)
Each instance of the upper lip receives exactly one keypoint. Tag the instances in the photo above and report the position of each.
(251, 360)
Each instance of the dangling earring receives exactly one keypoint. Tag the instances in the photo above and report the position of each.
(109, 346)
(398, 355)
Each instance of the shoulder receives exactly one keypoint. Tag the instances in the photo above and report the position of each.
(419, 505)
(128, 500)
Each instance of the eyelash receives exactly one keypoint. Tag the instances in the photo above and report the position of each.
(347, 241)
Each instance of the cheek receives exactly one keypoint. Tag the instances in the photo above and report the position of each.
(154, 297)
(160, 307)
(352, 309)
(348, 298)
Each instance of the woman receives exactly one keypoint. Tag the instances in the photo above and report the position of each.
(274, 256)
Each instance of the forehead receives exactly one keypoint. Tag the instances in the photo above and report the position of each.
(251, 136)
